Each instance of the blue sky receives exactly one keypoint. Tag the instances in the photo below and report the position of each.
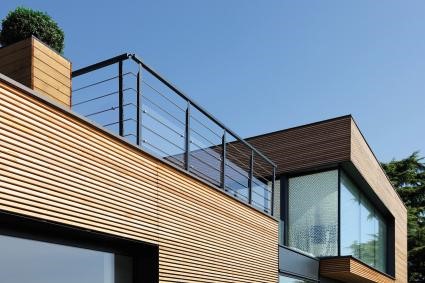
(261, 66)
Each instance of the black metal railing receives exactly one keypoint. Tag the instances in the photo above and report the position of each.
(128, 97)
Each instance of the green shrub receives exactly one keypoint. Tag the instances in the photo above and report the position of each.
(22, 23)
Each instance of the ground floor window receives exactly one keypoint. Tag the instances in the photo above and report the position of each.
(291, 279)
(34, 251)
(30, 261)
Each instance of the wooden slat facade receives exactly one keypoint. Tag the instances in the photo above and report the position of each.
(327, 144)
(351, 270)
(35, 65)
(58, 167)
(366, 163)
(306, 147)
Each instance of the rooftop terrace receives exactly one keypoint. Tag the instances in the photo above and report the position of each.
(129, 98)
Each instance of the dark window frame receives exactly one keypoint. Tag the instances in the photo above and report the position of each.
(145, 256)
(284, 209)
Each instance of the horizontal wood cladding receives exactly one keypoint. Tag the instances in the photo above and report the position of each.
(366, 163)
(51, 73)
(15, 61)
(306, 147)
(35, 65)
(350, 270)
(330, 143)
(56, 167)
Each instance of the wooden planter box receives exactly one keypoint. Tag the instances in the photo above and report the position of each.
(34, 64)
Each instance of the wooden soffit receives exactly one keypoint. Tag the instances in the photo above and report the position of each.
(349, 269)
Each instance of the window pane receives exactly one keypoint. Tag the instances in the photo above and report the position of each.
(381, 245)
(313, 213)
(367, 235)
(350, 218)
(51, 263)
(286, 279)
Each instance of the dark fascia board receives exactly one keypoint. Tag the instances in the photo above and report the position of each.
(98, 127)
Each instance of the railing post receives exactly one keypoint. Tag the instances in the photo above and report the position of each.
(273, 188)
(120, 99)
(139, 107)
(251, 175)
(187, 138)
(223, 162)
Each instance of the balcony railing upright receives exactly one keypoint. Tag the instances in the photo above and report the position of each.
(140, 105)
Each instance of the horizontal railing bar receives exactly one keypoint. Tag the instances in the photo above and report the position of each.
(207, 140)
(138, 60)
(164, 138)
(96, 98)
(206, 177)
(156, 105)
(205, 126)
(245, 187)
(106, 110)
(125, 120)
(165, 111)
(196, 105)
(204, 150)
(261, 196)
(231, 158)
(247, 155)
(206, 163)
(237, 171)
(97, 83)
(162, 123)
(163, 95)
(100, 65)
(167, 157)
(237, 194)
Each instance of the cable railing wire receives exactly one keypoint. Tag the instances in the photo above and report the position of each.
(206, 127)
(164, 138)
(99, 82)
(163, 95)
(204, 150)
(157, 110)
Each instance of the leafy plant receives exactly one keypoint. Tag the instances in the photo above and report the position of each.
(23, 23)
(408, 177)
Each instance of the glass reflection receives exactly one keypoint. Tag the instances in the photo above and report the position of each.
(313, 213)
(28, 261)
(363, 229)
(286, 279)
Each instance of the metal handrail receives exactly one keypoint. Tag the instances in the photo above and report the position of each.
(137, 59)
(251, 151)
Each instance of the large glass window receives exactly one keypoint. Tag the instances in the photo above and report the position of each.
(313, 213)
(287, 279)
(313, 219)
(28, 261)
(363, 228)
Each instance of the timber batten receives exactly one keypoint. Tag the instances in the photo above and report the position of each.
(56, 167)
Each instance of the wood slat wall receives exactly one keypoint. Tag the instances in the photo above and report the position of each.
(366, 163)
(51, 73)
(329, 143)
(350, 270)
(56, 167)
(15, 61)
(35, 65)
(306, 147)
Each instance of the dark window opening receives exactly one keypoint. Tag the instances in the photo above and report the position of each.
(33, 251)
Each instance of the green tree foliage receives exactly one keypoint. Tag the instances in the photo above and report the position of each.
(22, 23)
(408, 177)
